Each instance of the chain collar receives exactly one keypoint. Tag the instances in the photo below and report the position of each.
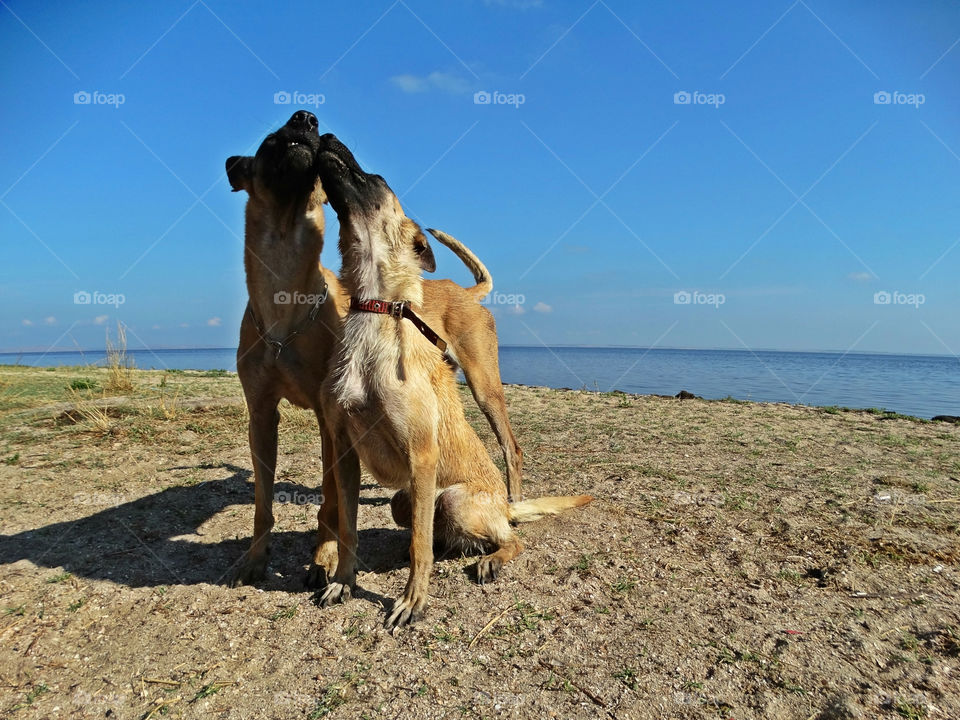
(281, 344)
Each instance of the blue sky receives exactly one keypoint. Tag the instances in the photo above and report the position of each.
(780, 200)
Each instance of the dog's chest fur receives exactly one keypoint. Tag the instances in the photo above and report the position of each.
(284, 279)
(379, 379)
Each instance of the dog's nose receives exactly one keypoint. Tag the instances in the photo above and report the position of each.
(303, 119)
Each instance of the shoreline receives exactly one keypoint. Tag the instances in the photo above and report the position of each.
(881, 411)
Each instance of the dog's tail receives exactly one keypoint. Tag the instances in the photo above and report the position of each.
(480, 273)
(530, 510)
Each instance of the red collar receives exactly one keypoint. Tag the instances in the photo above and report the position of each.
(398, 310)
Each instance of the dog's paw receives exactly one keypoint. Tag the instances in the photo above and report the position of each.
(335, 593)
(405, 611)
(488, 569)
(253, 570)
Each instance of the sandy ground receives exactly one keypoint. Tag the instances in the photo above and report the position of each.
(740, 561)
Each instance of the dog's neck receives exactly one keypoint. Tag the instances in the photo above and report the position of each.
(282, 262)
(371, 355)
(377, 270)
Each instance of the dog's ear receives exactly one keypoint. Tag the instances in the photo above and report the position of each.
(319, 194)
(239, 172)
(424, 252)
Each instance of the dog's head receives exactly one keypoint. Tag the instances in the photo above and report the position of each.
(373, 226)
(284, 167)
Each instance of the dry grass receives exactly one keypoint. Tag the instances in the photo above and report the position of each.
(87, 412)
(303, 420)
(119, 366)
(168, 402)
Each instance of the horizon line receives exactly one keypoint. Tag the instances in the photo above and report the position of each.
(81, 351)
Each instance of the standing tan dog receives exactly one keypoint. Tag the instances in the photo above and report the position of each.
(393, 395)
(293, 321)
(291, 324)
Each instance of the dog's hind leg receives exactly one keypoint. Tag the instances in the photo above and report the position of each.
(482, 372)
(477, 521)
(263, 450)
(325, 554)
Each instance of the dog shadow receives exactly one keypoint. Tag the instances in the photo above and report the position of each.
(158, 539)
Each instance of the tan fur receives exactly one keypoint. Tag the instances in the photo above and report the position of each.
(480, 273)
(456, 314)
(281, 245)
(283, 241)
(470, 330)
(393, 394)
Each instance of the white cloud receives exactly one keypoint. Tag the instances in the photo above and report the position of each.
(542, 307)
(51, 320)
(101, 319)
(446, 82)
(155, 327)
(184, 324)
(409, 83)
(27, 322)
(214, 322)
(516, 310)
(860, 276)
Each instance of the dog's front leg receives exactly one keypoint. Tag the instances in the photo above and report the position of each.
(263, 450)
(346, 468)
(422, 499)
(325, 554)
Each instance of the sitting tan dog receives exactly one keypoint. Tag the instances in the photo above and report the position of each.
(390, 391)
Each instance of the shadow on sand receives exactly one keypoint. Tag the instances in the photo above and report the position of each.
(154, 540)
